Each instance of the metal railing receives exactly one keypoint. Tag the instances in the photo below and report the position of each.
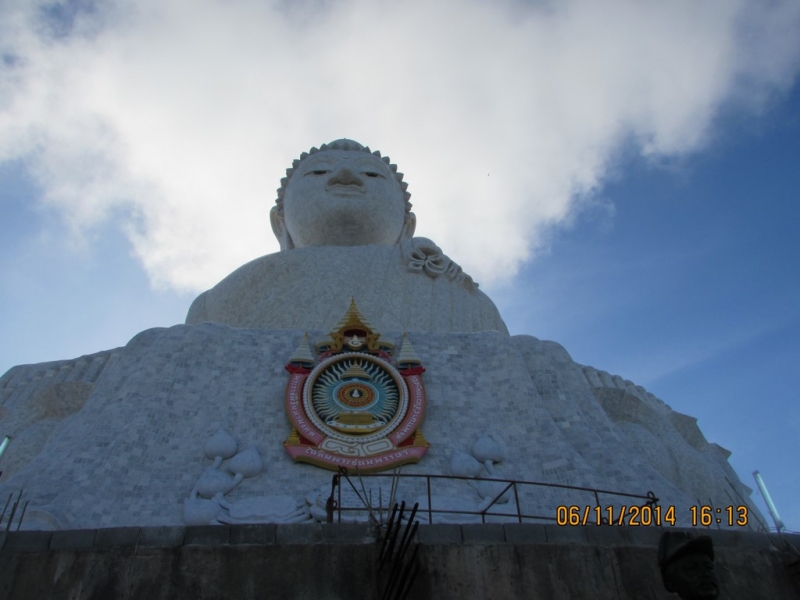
(14, 508)
(334, 504)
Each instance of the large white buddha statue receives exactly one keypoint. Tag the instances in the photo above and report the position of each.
(345, 227)
(198, 423)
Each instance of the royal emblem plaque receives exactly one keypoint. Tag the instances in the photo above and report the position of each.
(354, 405)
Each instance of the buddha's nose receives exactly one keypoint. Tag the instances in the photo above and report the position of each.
(344, 175)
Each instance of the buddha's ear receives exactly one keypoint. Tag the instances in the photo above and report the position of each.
(279, 228)
(409, 226)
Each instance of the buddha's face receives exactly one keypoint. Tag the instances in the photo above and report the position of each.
(342, 198)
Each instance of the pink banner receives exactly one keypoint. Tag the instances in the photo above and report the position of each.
(416, 410)
(294, 408)
(379, 462)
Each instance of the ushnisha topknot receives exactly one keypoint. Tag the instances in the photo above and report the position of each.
(342, 144)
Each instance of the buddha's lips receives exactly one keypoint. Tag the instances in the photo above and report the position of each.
(338, 187)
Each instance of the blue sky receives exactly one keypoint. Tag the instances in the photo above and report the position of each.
(692, 289)
(638, 166)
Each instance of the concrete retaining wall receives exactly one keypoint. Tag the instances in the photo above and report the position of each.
(339, 562)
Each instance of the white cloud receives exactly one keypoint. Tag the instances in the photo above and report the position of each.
(178, 118)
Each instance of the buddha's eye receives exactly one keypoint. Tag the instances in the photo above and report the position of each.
(320, 172)
(372, 174)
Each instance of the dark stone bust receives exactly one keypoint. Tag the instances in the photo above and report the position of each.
(687, 565)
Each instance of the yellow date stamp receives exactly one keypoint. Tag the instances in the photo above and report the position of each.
(650, 514)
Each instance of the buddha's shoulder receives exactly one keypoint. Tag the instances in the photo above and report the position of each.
(269, 274)
(302, 262)
(394, 284)
(416, 256)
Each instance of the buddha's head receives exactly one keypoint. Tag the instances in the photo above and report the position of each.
(342, 194)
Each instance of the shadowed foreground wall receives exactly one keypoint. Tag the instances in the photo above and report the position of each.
(338, 562)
